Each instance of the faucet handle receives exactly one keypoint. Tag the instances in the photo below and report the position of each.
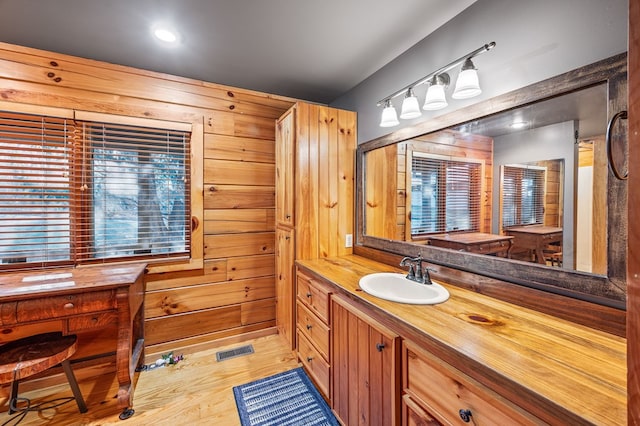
(427, 276)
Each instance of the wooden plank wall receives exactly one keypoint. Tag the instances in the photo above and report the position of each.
(324, 175)
(234, 292)
(381, 192)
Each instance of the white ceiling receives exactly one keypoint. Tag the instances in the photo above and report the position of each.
(313, 50)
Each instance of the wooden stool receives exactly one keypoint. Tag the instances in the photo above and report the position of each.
(25, 357)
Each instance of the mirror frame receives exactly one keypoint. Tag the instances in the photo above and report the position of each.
(609, 290)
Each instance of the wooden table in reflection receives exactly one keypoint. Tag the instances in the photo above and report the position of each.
(474, 242)
(535, 238)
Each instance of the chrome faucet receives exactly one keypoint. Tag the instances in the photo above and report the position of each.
(416, 272)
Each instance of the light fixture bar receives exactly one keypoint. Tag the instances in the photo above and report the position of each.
(445, 68)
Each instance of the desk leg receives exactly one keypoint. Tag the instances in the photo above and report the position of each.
(130, 351)
(540, 255)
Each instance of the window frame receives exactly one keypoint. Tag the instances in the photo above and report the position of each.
(194, 259)
(476, 222)
(518, 206)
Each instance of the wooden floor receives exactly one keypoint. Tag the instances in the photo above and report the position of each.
(196, 391)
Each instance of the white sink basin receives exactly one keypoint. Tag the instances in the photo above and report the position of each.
(397, 288)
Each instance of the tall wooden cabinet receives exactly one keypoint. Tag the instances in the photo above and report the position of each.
(315, 167)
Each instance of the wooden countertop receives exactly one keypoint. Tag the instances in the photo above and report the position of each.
(572, 372)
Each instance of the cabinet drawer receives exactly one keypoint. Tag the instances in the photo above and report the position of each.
(314, 329)
(317, 367)
(63, 306)
(445, 393)
(315, 295)
(90, 322)
(414, 415)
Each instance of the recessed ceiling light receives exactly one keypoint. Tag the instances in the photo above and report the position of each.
(165, 34)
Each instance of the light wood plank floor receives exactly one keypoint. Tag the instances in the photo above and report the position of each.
(196, 391)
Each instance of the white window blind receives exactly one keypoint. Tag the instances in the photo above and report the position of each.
(76, 192)
(35, 195)
(523, 190)
(445, 195)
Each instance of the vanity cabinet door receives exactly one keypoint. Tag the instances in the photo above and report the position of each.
(285, 149)
(451, 397)
(365, 354)
(285, 247)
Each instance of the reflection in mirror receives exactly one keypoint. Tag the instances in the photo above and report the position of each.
(528, 184)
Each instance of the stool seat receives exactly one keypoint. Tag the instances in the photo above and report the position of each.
(32, 355)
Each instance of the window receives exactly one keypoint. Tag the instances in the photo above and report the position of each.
(81, 191)
(445, 195)
(522, 199)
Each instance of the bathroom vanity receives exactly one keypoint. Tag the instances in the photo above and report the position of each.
(472, 359)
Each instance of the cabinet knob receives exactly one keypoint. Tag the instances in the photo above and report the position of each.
(379, 346)
(309, 294)
(309, 326)
(287, 216)
(68, 306)
(465, 415)
(309, 358)
(287, 238)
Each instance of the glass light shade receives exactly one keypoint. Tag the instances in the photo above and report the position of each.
(436, 98)
(389, 116)
(467, 85)
(410, 107)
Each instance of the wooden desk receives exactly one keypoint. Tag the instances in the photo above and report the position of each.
(536, 238)
(83, 299)
(474, 242)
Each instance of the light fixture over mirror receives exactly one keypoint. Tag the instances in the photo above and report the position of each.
(389, 115)
(436, 98)
(410, 107)
(467, 86)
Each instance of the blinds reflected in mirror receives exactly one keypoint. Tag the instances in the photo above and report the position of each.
(523, 194)
(445, 194)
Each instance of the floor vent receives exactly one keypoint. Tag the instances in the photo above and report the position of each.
(235, 352)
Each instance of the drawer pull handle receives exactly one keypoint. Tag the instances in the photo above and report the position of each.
(68, 306)
(309, 358)
(309, 326)
(379, 346)
(309, 294)
(465, 415)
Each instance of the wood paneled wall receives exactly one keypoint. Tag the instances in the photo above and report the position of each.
(234, 292)
(324, 175)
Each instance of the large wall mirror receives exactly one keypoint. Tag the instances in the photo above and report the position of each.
(517, 187)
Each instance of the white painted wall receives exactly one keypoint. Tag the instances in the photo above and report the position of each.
(535, 40)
